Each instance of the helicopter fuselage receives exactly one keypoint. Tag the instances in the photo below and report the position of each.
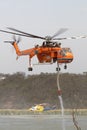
(47, 54)
(53, 54)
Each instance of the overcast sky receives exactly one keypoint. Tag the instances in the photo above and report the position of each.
(43, 17)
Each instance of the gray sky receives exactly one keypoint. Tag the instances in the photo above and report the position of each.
(43, 17)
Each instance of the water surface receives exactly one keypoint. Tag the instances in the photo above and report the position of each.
(40, 122)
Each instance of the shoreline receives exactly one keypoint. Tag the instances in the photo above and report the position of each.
(50, 112)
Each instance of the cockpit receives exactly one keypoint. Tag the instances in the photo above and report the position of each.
(64, 51)
(67, 50)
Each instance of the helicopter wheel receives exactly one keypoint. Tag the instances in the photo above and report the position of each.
(65, 67)
(30, 69)
(58, 69)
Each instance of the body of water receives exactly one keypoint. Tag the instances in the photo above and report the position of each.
(40, 122)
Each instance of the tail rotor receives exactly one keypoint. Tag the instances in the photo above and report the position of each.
(17, 40)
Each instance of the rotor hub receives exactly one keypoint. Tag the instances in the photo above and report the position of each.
(48, 38)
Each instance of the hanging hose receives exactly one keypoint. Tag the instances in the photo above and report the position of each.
(58, 85)
(60, 98)
(60, 92)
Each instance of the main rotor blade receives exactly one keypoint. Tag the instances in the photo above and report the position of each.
(30, 35)
(8, 41)
(13, 33)
(19, 34)
(74, 37)
(62, 30)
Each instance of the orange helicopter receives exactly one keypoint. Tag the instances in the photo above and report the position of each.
(49, 52)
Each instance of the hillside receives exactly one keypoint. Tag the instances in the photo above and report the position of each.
(20, 91)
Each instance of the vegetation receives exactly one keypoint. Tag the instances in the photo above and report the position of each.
(21, 92)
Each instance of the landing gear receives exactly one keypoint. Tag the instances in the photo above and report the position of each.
(58, 69)
(30, 69)
(30, 66)
(65, 66)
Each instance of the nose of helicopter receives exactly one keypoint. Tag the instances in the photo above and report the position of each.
(69, 56)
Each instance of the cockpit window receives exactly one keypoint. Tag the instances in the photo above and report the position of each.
(66, 50)
(62, 52)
